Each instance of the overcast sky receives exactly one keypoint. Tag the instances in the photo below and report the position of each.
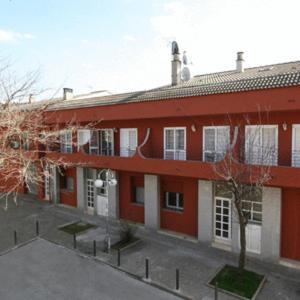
(124, 45)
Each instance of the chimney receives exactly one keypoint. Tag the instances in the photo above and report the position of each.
(68, 94)
(176, 64)
(240, 62)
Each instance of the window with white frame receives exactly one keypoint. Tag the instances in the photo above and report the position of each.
(215, 142)
(128, 141)
(106, 137)
(296, 146)
(174, 200)
(66, 141)
(139, 194)
(175, 143)
(94, 142)
(252, 204)
(261, 144)
(83, 140)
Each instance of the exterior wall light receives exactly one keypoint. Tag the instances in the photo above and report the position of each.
(284, 126)
(193, 128)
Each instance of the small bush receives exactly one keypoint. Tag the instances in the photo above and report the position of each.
(127, 231)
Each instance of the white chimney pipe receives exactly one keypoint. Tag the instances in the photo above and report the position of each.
(67, 94)
(240, 62)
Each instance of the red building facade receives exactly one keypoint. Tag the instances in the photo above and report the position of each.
(161, 145)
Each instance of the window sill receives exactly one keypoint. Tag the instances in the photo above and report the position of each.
(66, 191)
(174, 210)
(137, 204)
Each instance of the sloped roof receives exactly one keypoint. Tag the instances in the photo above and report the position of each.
(257, 78)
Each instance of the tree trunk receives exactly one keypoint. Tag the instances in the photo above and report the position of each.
(242, 257)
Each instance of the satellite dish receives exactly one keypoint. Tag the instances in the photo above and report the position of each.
(185, 74)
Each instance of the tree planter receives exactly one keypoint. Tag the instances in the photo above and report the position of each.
(231, 282)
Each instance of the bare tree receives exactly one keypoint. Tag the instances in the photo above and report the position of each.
(25, 138)
(245, 169)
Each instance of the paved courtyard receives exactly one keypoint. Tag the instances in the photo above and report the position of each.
(43, 270)
(196, 262)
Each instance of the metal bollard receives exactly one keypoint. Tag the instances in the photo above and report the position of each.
(216, 290)
(119, 257)
(147, 268)
(37, 229)
(94, 248)
(177, 279)
(15, 237)
(74, 240)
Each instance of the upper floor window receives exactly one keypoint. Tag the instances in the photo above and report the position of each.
(128, 141)
(261, 144)
(66, 141)
(175, 143)
(296, 146)
(83, 140)
(106, 137)
(215, 142)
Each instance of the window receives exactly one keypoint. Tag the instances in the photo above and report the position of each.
(174, 200)
(67, 183)
(139, 194)
(94, 142)
(128, 141)
(296, 146)
(215, 142)
(83, 138)
(253, 204)
(106, 142)
(261, 144)
(175, 141)
(66, 141)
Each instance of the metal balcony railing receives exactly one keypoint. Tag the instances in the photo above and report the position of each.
(175, 154)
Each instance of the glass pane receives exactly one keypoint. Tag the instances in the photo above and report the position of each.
(171, 199)
(218, 210)
(257, 217)
(225, 234)
(180, 202)
(218, 202)
(179, 139)
(209, 139)
(257, 207)
(218, 225)
(169, 139)
(225, 226)
(218, 218)
(225, 211)
(225, 219)
(218, 232)
(139, 195)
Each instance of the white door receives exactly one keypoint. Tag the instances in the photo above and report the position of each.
(222, 222)
(128, 141)
(90, 193)
(253, 238)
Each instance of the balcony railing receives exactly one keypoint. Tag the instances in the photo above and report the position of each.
(267, 156)
(175, 154)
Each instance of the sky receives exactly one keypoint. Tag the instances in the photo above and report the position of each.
(125, 45)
